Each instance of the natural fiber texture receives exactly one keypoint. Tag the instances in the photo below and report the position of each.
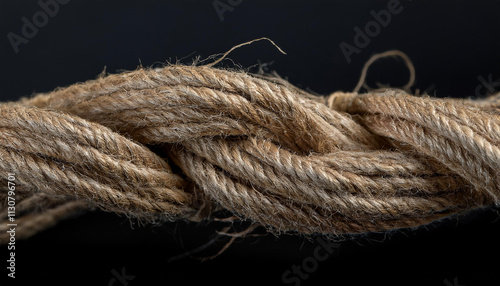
(182, 142)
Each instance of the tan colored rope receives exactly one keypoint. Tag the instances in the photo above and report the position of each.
(255, 146)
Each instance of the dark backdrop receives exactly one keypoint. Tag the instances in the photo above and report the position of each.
(453, 44)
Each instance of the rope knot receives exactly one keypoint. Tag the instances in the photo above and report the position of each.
(183, 142)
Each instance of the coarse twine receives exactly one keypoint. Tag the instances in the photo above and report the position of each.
(185, 142)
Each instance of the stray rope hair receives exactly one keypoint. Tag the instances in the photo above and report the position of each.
(183, 142)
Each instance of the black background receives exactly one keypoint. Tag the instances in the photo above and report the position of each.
(451, 43)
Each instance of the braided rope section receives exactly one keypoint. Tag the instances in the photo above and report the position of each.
(182, 142)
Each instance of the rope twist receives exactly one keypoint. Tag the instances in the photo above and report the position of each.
(182, 142)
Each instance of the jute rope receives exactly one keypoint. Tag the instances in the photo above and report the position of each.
(182, 142)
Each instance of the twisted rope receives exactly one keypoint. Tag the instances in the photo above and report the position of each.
(182, 142)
